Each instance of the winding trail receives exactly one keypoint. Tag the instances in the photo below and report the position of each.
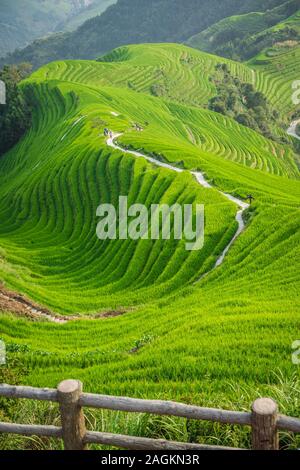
(203, 182)
(293, 128)
(12, 301)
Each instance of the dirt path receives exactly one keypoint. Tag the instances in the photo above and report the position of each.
(20, 305)
(16, 303)
(203, 182)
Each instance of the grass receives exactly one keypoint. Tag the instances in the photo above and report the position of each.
(159, 69)
(57, 235)
(241, 37)
(285, 392)
(275, 73)
(199, 342)
(233, 27)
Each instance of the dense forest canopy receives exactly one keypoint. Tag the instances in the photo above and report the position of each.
(249, 107)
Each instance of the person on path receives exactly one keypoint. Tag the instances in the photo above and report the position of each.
(250, 198)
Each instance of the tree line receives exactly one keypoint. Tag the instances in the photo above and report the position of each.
(15, 115)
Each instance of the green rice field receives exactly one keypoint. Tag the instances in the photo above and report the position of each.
(219, 340)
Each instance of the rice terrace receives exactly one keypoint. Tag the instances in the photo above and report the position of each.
(150, 225)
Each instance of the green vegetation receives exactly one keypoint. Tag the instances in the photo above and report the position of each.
(244, 36)
(132, 22)
(285, 392)
(93, 9)
(247, 106)
(274, 77)
(15, 116)
(107, 284)
(20, 24)
(148, 68)
(283, 37)
(217, 341)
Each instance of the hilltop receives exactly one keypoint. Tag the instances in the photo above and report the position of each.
(135, 21)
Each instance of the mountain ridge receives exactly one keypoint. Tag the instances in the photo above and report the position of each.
(134, 21)
(23, 21)
(242, 37)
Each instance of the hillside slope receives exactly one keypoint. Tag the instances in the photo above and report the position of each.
(208, 340)
(73, 99)
(162, 70)
(22, 21)
(135, 21)
(283, 37)
(275, 74)
(244, 36)
(94, 8)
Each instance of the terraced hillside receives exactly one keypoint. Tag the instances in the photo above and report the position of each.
(164, 71)
(244, 36)
(59, 227)
(130, 22)
(160, 69)
(178, 334)
(276, 74)
(283, 37)
(76, 234)
(276, 66)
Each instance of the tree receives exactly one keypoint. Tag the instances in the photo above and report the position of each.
(15, 115)
(243, 103)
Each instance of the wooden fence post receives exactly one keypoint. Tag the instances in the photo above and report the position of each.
(263, 421)
(72, 417)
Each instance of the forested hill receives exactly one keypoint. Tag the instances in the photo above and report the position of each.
(242, 37)
(22, 21)
(136, 21)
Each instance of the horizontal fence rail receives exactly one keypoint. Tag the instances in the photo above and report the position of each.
(264, 420)
(167, 408)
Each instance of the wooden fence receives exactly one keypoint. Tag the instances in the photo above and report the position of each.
(264, 419)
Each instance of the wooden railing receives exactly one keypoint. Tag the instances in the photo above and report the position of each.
(264, 419)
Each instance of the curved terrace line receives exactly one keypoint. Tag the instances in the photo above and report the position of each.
(38, 313)
(203, 182)
(45, 315)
